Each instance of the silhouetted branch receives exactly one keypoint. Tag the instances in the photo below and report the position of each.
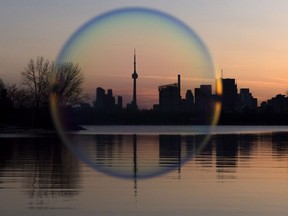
(36, 79)
(67, 80)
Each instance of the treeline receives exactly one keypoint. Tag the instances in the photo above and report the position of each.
(28, 104)
(90, 116)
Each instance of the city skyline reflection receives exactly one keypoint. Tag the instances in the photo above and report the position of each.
(49, 176)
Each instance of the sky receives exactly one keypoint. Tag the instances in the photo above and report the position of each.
(247, 39)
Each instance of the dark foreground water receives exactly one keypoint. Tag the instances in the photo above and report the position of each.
(238, 171)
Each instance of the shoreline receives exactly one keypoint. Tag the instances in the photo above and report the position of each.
(8, 130)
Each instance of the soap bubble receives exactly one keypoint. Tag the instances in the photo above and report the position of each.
(165, 47)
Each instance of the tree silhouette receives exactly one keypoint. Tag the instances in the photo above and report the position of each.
(67, 81)
(5, 101)
(36, 79)
(5, 104)
(2, 86)
(19, 97)
(43, 78)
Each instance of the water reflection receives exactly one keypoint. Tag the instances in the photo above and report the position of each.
(170, 151)
(134, 156)
(51, 176)
(42, 165)
(146, 156)
(226, 155)
(280, 144)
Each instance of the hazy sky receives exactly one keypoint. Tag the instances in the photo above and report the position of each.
(248, 39)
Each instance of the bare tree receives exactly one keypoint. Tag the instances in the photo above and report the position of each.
(36, 79)
(63, 80)
(2, 85)
(19, 97)
(67, 80)
(5, 101)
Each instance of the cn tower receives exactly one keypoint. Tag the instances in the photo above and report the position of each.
(134, 77)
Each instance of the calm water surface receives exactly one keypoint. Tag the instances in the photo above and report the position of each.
(239, 171)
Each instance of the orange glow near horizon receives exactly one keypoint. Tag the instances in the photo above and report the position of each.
(165, 47)
(247, 43)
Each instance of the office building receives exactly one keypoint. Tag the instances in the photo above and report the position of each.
(169, 97)
(229, 94)
(203, 99)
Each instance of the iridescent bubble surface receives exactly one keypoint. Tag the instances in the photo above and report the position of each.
(165, 47)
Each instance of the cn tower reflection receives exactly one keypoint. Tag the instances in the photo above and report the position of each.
(134, 156)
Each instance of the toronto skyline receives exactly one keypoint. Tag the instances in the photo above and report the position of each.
(247, 40)
(144, 107)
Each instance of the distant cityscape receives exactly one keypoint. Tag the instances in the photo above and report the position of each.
(196, 107)
(201, 101)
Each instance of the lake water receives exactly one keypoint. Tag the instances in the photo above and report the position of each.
(174, 170)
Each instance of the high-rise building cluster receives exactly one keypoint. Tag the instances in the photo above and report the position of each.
(232, 101)
(170, 99)
(202, 100)
(277, 105)
(105, 102)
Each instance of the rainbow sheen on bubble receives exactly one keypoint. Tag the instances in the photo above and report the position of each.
(165, 47)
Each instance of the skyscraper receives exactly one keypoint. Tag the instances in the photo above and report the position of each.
(106, 102)
(246, 100)
(169, 97)
(229, 95)
(134, 77)
(203, 99)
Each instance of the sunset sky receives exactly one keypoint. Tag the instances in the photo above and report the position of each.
(248, 39)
